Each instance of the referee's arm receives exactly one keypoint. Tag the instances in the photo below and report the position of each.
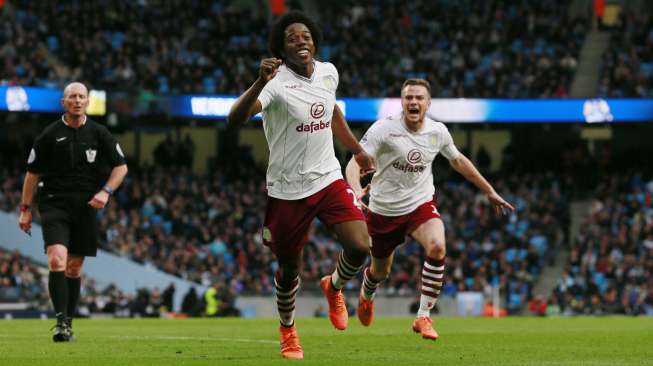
(29, 187)
(115, 179)
(116, 158)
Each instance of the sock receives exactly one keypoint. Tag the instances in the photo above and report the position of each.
(369, 285)
(286, 299)
(74, 285)
(345, 270)
(432, 278)
(58, 293)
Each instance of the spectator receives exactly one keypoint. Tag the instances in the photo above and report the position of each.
(190, 304)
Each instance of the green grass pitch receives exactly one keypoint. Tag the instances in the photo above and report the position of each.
(390, 341)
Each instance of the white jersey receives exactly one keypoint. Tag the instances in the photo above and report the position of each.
(297, 115)
(404, 177)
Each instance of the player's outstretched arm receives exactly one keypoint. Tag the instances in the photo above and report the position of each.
(343, 133)
(465, 167)
(248, 104)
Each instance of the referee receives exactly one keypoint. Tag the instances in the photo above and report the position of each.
(71, 159)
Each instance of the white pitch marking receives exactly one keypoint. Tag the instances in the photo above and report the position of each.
(177, 338)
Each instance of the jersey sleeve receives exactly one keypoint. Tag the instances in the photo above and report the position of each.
(268, 94)
(371, 141)
(36, 161)
(335, 75)
(448, 148)
(111, 148)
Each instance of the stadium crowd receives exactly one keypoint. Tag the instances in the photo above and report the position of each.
(21, 280)
(24, 281)
(628, 60)
(610, 267)
(524, 49)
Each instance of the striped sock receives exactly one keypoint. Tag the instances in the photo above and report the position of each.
(432, 278)
(345, 271)
(286, 300)
(369, 285)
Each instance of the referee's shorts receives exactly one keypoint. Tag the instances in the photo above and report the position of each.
(68, 219)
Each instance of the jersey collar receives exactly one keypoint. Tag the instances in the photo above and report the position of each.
(63, 119)
(300, 77)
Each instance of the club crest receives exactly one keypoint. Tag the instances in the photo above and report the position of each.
(90, 155)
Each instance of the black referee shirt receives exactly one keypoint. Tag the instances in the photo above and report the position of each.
(71, 160)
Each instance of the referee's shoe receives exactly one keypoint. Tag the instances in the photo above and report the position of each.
(62, 331)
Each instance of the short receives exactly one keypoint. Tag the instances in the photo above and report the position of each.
(287, 222)
(388, 232)
(68, 219)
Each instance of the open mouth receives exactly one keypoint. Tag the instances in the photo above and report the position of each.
(413, 112)
(304, 52)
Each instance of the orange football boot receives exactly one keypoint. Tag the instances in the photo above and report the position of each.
(365, 310)
(337, 308)
(424, 325)
(290, 347)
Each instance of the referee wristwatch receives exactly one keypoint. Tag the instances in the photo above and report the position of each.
(107, 188)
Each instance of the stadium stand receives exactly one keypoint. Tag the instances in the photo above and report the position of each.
(22, 281)
(611, 260)
(523, 49)
(628, 62)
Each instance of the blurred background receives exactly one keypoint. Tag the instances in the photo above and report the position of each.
(550, 99)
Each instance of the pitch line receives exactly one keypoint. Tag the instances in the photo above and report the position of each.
(178, 338)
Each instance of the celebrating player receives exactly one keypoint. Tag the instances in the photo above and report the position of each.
(401, 197)
(297, 95)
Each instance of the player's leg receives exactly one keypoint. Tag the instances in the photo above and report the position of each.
(339, 208)
(83, 243)
(58, 288)
(355, 248)
(74, 281)
(387, 233)
(286, 283)
(430, 235)
(55, 219)
(285, 231)
(351, 235)
(376, 273)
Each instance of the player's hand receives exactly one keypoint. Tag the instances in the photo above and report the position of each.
(500, 205)
(269, 68)
(360, 195)
(99, 200)
(25, 221)
(366, 162)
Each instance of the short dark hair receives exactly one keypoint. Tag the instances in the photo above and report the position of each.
(277, 35)
(421, 82)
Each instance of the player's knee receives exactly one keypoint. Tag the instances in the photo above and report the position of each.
(381, 274)
(436, 249)
(73, 270)
(362, 244)
(56, 263)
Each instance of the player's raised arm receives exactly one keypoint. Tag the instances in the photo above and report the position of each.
(465, 167)
(343, 133)
(248, 104)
